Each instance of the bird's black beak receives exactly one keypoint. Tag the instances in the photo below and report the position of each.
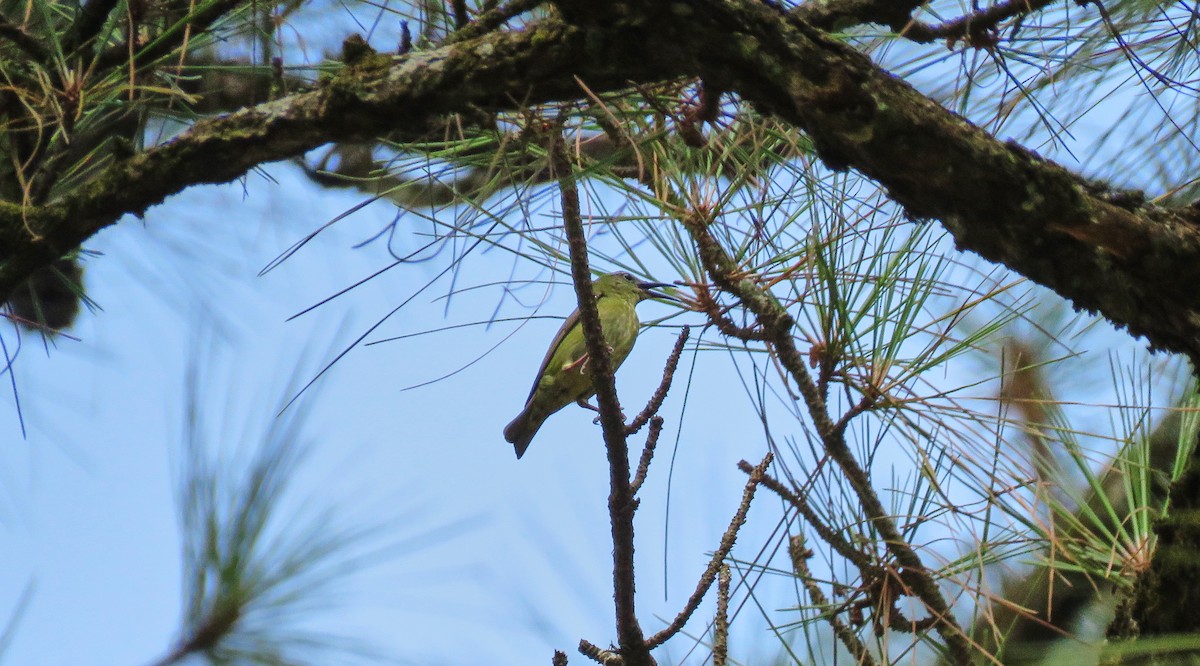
(647, 286)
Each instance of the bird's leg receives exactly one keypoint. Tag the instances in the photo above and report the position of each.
(582, 402)
(580, 363)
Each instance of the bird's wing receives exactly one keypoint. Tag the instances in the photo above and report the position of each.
(570, 323)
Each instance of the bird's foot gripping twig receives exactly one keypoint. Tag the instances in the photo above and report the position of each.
(580, 363)
(587, 405)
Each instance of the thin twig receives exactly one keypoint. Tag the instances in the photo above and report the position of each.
(621, 506)
(660, 394)
(718, 557)
(218, 624)
(710, 102)
(720, 651)
(491, 19)
(406, 43)
(867, 402)
(800, 554)
(656, 426)
(600, 656)
(971, 28)
(843, 14)
(716, 315)
(827, 533)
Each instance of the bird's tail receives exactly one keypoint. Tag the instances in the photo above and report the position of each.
(521, 431)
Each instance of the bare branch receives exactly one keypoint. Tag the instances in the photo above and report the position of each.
(839, 544)
(599, 655)
(656, 425)
(1133, 262)
(720, 651)
(839, 15)
(843, 14)
(717, 315)
(799, 555)
(1109, 253)
(660, 394)
(621, 503)
(718, 556)
(972, 27)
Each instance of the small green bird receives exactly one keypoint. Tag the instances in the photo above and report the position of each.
(564, 376)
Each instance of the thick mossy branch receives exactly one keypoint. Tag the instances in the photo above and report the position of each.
(1134, 263)
(401, 96)
(834, 16)
(1167, 594)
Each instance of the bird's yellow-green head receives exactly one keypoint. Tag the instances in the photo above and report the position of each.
(624, 285)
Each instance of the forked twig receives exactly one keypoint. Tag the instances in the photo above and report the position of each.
(827, 534)
(800, 553)
(718, 557)
(660, 394)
